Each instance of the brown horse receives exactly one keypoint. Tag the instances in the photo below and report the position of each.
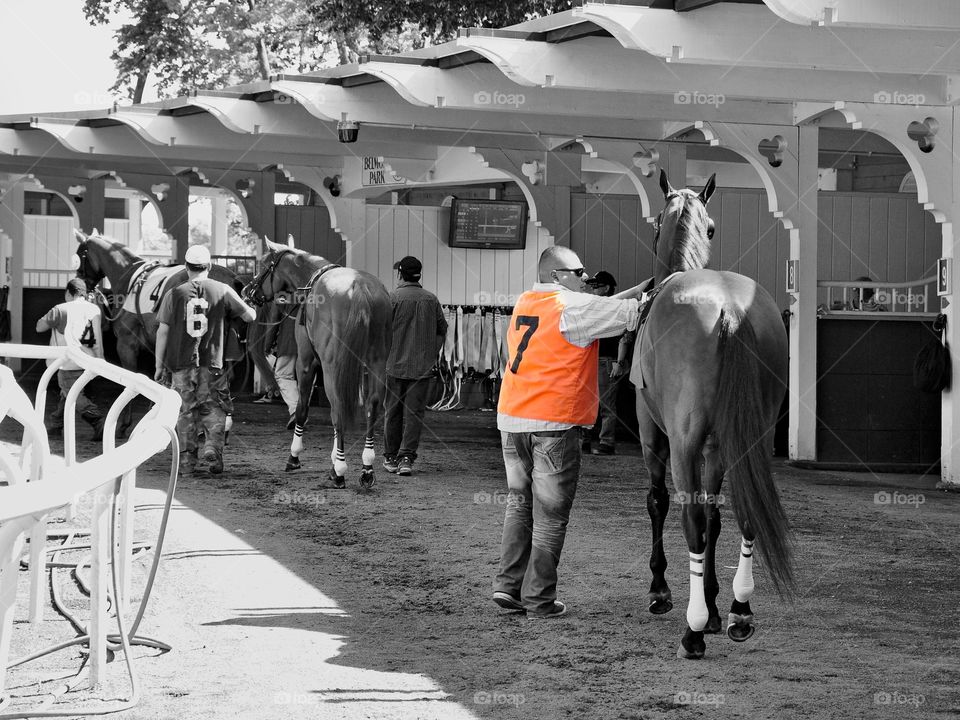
(137, 288)
(345, 326)
(710, 369)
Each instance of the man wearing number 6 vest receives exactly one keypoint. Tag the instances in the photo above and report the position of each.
(549, 393)
(191, 339)
(75, 323)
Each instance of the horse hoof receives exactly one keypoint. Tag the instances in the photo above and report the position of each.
(339, 481)
(692, 646)
(660, 606)
(740, 628)
(293, 463)
(713, 625)
(685, 654)
(366, 479)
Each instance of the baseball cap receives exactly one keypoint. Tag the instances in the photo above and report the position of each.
(409, 266)
(603, 278)
(197, 255)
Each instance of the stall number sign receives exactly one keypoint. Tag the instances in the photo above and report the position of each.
(374, 172)
(792, 285)
(944, 284)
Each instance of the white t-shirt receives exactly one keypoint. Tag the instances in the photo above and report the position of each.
(76, 324)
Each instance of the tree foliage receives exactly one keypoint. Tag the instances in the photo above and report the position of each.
(183, 44)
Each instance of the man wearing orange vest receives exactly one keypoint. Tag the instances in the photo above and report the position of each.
(549, 393)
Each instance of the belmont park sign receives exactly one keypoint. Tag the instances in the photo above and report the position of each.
(374, 171)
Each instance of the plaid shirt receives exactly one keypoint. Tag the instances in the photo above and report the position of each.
(419, 329)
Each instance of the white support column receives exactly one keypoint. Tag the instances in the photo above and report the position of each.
(218, 224)
(133, 219)
(802, 437)
(11, 223)
(949, 405)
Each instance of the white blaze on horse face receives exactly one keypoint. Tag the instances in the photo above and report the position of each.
(743, 580)
(697, 613)
(74, 262)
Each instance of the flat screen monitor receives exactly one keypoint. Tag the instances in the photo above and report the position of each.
(488, 224)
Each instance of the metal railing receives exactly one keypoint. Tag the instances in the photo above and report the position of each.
(915, 298)
(35, 489)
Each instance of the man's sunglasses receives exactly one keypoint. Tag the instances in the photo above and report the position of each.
(579, 272)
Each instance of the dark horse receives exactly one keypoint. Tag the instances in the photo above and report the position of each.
(710, 368)
(137, 287)
(344, 325)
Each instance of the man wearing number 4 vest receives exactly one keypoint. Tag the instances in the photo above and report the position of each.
(191, 339)
(75, 323)
(549, 393)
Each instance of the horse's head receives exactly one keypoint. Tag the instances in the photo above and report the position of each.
(683, 229)
(88, 265)
(271, 281)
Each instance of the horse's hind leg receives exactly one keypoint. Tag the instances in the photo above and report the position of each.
(306, 374)
(373, 419)
(685, 478)
(740, 625)
(656, 453)
(338, 458)
(712, 480)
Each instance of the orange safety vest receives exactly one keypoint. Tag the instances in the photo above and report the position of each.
(547, 377)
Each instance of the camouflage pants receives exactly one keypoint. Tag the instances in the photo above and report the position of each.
(85, 406)
(205, 394)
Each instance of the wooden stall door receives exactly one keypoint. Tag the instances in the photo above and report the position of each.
(310, 227)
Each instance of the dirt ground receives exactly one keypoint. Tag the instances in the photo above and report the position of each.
(285, 599)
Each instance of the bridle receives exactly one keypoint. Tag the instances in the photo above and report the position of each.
(658, 223)
(83, 251)
(253, 291)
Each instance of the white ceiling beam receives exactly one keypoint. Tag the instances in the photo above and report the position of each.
(586, 64)
(280, 116)
(917, 14)
(377, 104)
(735, 35)
(483, 88)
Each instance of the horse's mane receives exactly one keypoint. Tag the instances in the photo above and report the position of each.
(691, 244)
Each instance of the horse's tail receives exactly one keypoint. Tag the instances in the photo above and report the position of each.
(357, 336)
(742, 427)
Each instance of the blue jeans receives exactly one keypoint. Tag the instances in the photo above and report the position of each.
(404, 407)
(542, 473)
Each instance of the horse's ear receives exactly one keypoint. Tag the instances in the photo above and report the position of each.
(78, 233)
(665, 184)
(95, 233)
(271, 246)
(708, 189)
(290, 241)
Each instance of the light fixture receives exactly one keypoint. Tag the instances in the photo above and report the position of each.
(348, 131)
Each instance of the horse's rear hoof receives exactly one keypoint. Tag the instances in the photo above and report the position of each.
(339, 481)
(293, 463)
(660, 604)
(367, 478)
(740, 628)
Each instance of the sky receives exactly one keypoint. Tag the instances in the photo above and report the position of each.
(52, 58)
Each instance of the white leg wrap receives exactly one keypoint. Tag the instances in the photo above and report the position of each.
(296, 445)
(337, 457)
(369, 454)
(697, 613)
(743, 580)
(228, 423)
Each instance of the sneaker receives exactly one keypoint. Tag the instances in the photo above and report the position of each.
(405, 466)
(603, 449)
(390, 464)
(507, 601)
(213, 460)
(188, 462)
(558, 610)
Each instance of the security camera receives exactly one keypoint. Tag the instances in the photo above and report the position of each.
(348, 130)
